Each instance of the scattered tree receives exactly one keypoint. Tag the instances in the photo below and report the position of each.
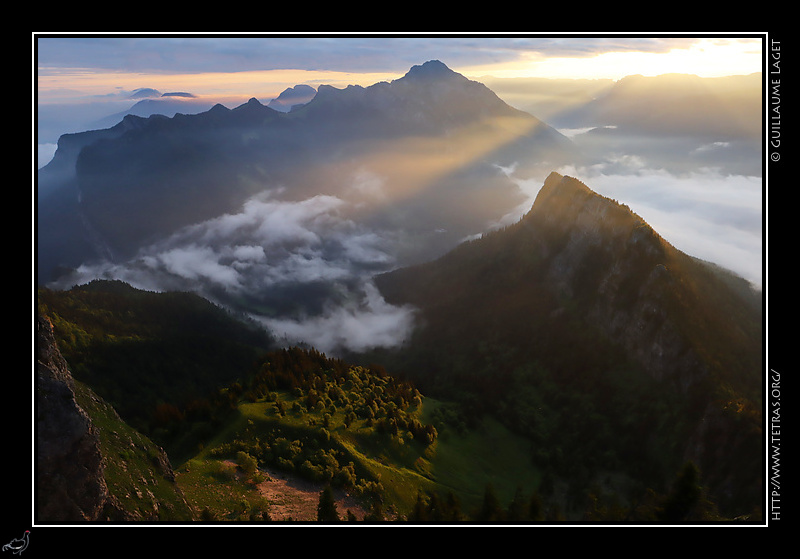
(490, 510)
(247, 463)
(326, 509)
(684, 497)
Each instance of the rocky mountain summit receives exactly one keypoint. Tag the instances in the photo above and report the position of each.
(583, 294)
(588, 255)
(292, 97)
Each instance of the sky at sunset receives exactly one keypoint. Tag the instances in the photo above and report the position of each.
(68, 66)
(82, 78)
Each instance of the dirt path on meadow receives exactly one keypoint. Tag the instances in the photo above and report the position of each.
(291, 498)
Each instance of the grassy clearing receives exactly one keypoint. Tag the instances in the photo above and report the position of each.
(466, 461)
(461, 463)
(216, 490)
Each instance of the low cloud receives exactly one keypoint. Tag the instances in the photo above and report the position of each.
(268, 242)
(361, 324)
(304, 259)
(193, 263)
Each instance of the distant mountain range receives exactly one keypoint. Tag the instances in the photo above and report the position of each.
(678, 122)
(152, 102)
(432, 140)
(686, 105)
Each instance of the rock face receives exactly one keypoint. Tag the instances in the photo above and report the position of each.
(80, 473)
(69, 464)
(610, 259)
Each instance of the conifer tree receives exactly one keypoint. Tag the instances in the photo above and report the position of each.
(326, 509)
(535, 508)
(517, 509)
(419, 514)
(453, 508)
(685, 495)
(375, 513)
(436, 511)
(490, 510)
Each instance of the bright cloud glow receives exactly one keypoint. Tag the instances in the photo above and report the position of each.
(234, 66)
(706, 58)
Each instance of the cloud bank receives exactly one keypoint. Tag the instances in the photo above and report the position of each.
(358, 325)
(304, 265)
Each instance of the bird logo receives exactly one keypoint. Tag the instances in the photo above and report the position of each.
(18, 545)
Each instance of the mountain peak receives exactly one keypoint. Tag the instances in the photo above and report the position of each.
(561, 185)
(253, 109)
(567, 205)
(291, 97)
(432, 69)
(566, 191)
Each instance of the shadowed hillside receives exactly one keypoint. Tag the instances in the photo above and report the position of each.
(584, 329)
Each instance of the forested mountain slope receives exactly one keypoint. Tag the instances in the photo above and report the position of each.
(584, 329)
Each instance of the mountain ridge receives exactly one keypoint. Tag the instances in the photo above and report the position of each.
(582, 294)
(682, 105)
(569, 225)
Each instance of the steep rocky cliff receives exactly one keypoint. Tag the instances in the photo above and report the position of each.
(69, 466)
(620, 271)
(91, 466)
